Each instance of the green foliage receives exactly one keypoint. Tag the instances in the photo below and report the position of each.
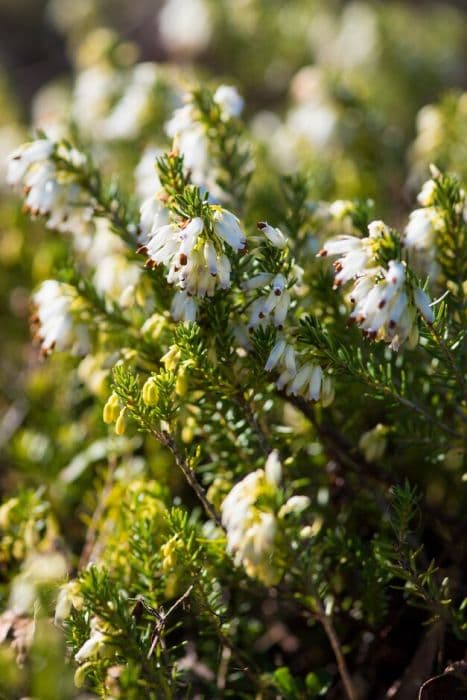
(215, 498)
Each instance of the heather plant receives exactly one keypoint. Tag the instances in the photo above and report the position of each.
(236, 467)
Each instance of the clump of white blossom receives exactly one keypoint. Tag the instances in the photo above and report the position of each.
(50, 190)
(190, 134)
(54, 321)
(386, 301)
(299, 377)
(116, 278)
(426, 226)
(273, 302)
(252, 520)
(194, 252)
(146, 178)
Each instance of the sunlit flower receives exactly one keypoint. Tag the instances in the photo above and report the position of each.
(385, 300)
(251, 529)
(53, 321)
(195, 262)
(49, 190)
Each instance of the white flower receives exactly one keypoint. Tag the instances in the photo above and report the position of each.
(153, 215)
(276, 304)
(385, 309)
(307, 381)
(195, 263)
(191, 140)
(116, 278)
(56, 327)
(227, 227)
(273, 468)
(355, 256)
(426, 195)
(229, 101)
(420, 232)
(385, 302)
(96, 646)
(128, 115)
(184, 307)
(276, 354)
(422, 302)
(251, 530)
(68, 597)
(25, 156)
(295, 504)
(341, 208)
(95, 89)
(262, 279)
(49, 191)
(274, 235)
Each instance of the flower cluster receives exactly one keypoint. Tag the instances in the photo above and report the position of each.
(274, 304)
(251, 518)
(190, 133)
(111, 103)
(53, 321)
(194, 252)
(424, 229)
(298, 378)
(385, 298)
(50, 190)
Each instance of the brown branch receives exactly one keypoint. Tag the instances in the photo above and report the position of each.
(331, 634)
(189, 475)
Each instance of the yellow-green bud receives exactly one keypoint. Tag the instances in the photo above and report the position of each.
(121, 423)
(171, 357)
(111, 409)
(80, 674)
(168, 552)
(5, 511)
(188, 430)
(150, 392)
(154, 326)
(181, 383)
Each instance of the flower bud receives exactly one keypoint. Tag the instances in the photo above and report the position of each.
(171, 357)
(150, 392)
(121, 423)
(111, 409)
(181, 383)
